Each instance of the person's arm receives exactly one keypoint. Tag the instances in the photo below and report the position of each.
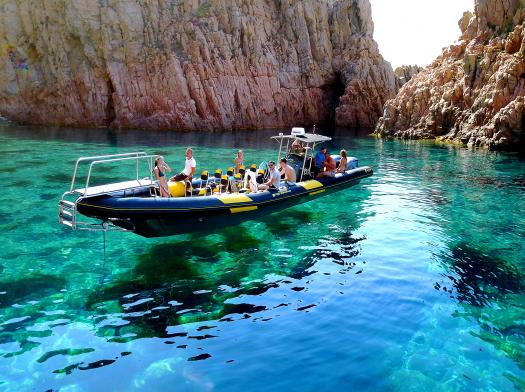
(339, 166)
(342, 164)
(286, 176)
(192, 171)
(275, 179)
(332, 164)
(166, 167)
(156, 171)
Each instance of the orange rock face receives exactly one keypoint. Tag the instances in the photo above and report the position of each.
(196, 64)
(474, 92)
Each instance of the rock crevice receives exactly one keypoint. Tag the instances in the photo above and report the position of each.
(474, 91)
(235, 64)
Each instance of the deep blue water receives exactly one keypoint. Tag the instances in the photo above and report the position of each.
(412, 280)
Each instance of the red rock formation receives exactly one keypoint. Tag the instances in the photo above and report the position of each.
(191, 64)
(406, 72)
(474, 92)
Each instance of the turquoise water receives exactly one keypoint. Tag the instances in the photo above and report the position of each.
(412, 280)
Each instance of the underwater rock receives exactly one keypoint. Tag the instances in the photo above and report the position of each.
(474, 91)
(191, 64)
(31, 287)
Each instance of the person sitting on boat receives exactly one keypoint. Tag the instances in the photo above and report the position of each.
(250, 178)
(189, 168)
(342, 163)
(287, 171)
(159, 169)
(329, 166)
(274, 182)
(239, 160)
(319, 160)
(297, 147)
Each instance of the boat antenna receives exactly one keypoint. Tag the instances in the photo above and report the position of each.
(314, 130)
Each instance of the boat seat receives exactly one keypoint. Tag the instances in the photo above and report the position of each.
(204, 191)
(351, 162)
(188, 185)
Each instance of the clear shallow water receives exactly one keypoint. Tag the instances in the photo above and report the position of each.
(412, 280)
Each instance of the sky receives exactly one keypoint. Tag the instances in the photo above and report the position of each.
(411, 32)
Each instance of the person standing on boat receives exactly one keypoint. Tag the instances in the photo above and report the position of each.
(239, 160)
(274, 182)
(189, 167)
(319, 161)
(160, 168)
(287, 171)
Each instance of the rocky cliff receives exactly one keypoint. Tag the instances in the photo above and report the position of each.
(197, 64)
(474, 92)
(406, 72)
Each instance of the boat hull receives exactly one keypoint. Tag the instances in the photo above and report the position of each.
(158, 217)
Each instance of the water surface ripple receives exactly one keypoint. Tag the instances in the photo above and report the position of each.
(414, 279)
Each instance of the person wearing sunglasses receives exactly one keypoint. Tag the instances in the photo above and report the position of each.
(274, 182)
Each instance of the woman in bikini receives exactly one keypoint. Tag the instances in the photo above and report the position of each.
(160, 168)
(239, 160)
(342, 163)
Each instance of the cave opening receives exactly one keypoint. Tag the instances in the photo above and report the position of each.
(110, 105)
(333, 91)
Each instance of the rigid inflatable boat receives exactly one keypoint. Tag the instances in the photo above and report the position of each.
(200, 205)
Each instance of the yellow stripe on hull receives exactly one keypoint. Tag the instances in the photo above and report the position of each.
(234, 198)
(242, 209)
(316, 192)
(310, 184)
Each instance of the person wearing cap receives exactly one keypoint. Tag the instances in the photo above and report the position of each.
(250, 178)
(189, 167)
(319, 161)
(274, 181)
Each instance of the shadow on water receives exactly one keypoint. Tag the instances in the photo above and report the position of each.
(478, 278)
(30, 288)
(289, 222)
(193, 281)
(490, 290)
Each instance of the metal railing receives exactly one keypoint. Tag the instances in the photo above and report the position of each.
(107, 158)
(67, 210)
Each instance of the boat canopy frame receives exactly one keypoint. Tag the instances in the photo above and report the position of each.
(307, 139)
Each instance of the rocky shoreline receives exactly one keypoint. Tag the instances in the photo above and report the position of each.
(207, 65)
(474, 92)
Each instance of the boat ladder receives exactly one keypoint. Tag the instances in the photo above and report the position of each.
(67, 205)
(67, 213)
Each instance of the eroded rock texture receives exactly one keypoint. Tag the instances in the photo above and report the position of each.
(406, 72)
(218, 64)
(474, 92)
